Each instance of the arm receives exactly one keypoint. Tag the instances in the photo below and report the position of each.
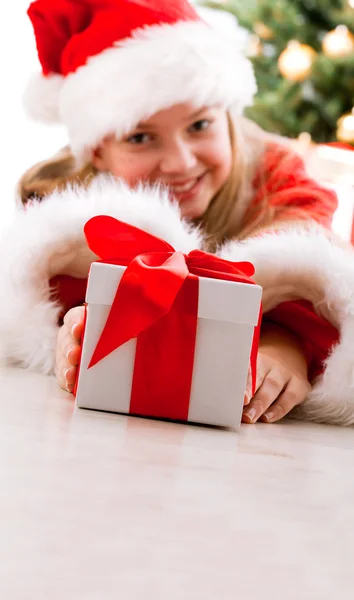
(294, 345)
(292, 329)
(281, 376)
(316, 334)
(308, 287)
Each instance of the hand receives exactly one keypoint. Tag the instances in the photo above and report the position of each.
(69, 348)
(281, 377)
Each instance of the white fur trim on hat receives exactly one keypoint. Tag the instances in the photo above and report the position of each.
(41, 97)
(156, 68)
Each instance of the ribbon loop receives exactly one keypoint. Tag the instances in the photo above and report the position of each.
(111, 239)
(208, 265)
(146, 293)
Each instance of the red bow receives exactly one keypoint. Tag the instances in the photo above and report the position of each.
(157, 302)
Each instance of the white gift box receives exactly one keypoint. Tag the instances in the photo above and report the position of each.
(227, 315)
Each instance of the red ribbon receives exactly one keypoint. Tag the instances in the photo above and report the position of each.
(157, 303)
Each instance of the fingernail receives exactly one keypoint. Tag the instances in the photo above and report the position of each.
(69, 351)
(250, 413)
(246, 400)
(73, 330)
(66, 374)
(268, 416)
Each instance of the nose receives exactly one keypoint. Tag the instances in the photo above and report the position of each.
(178, 158)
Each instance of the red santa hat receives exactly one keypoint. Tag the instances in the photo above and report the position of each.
(108, 64)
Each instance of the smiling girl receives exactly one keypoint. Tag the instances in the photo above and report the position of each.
(152, 98)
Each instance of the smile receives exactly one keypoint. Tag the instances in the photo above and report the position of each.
(187, 189)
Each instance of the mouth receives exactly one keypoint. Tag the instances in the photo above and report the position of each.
(187, 190)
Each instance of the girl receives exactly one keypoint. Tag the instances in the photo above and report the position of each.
(151, 94)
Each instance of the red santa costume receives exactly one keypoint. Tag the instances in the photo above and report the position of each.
(107, 65)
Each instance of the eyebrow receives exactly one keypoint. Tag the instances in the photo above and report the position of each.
(196, 114)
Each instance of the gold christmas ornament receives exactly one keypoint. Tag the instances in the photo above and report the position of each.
(338, 42)
(295, 62)
(345, 128)
(264, 32)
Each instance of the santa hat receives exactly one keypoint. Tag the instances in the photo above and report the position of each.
(108, 64)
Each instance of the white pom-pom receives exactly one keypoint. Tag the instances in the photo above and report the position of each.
(41, 97)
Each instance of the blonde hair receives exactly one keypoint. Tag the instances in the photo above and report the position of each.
(225, 215)
(56, 173)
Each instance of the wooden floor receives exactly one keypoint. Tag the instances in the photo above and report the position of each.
(99, 506)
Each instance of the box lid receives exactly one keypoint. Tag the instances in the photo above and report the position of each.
(218, 300)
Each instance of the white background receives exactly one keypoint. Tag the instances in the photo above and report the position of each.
(24, 142)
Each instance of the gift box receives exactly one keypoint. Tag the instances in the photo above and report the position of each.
(166, 335)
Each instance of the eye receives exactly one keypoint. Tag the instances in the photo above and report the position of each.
(139, 138)
(201, 125)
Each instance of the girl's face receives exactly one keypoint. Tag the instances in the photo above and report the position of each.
(189, 151)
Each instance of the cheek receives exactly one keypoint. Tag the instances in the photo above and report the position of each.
(223, 169)
(131, 167)
(217, 156)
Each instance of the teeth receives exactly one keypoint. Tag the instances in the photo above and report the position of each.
(183, 188)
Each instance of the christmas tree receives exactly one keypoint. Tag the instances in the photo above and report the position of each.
(303, 54)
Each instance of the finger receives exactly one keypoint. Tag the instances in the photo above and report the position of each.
(70, 376)
(295, 393)
(62, 369)
(67, 357)
(60, 362)
(260, 375)
(77, 331)
(69, 349)
(61, 375)
(66, 378)
(248, 390)
(74, 321)
(73, 355)
(272, 386)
